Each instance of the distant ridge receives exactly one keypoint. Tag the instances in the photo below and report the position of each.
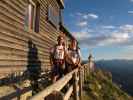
(122, 72)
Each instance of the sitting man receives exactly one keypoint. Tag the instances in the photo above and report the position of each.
(57, 58)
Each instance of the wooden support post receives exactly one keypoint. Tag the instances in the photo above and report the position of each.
(87, 68)
(84, 73)
(80, 84)
(75, 87)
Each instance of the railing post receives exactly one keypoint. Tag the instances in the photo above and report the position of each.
(84, 73)
(80, 84)
(75, 87)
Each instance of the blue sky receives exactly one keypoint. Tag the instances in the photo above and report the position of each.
(102, 27)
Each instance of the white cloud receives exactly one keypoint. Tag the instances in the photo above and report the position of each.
(83, 23)
(87, 15)
(94, 16)
(120, 36)
(116, 38)
(131, 0)
(112, 39)
(108, 27)
(127, 28)
(83, 34)
(82, 19)
(130, 12)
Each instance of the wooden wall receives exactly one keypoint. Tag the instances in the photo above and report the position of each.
(14, 37)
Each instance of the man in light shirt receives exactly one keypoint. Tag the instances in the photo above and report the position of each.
(73, 58)
(57, 58)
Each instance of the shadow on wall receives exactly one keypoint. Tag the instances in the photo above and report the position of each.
(34, 65)
(32, 73)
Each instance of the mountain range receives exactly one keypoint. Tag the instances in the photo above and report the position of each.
(122, 72)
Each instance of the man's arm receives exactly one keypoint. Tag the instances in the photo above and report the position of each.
(68, 58)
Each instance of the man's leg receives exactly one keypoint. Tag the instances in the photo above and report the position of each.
(55, 74)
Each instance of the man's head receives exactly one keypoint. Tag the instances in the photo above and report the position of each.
(73, 43)
(60, 40)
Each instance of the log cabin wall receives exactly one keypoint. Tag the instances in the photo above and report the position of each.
(18, 44)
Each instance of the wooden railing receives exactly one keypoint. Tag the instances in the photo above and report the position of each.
(75, 87)
(73, 81)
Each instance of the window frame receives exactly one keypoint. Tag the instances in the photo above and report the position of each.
(32, 17)
(32, 25)
(53, 16)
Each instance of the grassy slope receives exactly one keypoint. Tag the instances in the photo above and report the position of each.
(99, 86)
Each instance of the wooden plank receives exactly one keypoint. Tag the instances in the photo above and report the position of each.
(26, 46)
(75, 86)
(12, 6)
(22, 2)
(10, 12)
(11, 69)
(68, 94)
(80, 84)
(18, 5)
(17, 30)
(54, 87)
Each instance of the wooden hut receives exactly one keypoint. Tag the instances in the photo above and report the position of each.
(28, 29)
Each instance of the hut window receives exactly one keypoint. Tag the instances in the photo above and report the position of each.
(53, 16)
(33, 15)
